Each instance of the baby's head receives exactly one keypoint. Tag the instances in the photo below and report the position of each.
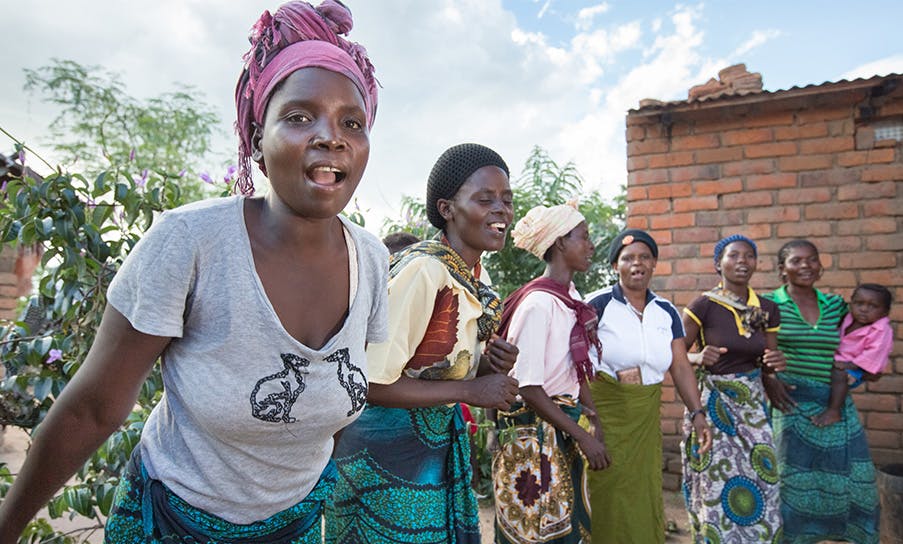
(869, 303)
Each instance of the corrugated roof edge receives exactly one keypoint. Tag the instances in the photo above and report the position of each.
(751, 97)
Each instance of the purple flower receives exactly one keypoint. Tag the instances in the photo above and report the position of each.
(182, 173)
(206, 178)
(54, 355)
(90, 203)
(141, 181)
(22, 157)
(3, 186)
(132, 155)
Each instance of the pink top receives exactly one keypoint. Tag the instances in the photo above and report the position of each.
(868, 347)
(541, 330)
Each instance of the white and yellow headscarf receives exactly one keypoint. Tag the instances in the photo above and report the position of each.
(541, 226)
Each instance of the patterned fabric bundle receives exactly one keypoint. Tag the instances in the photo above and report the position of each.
(410, 483)
(828, 489)
(539, 479)
(732, 491)
(174, 520)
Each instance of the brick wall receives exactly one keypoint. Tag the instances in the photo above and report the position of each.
(9, 288)
(777, 166)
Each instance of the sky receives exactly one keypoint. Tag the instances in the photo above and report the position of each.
(509, 74)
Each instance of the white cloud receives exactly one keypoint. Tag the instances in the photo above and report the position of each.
(880, 67)
(586, 16)
(758, 38)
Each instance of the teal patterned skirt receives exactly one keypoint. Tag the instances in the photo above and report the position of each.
(732, 491)
(828, 486)
(145, 511)
(404, 476)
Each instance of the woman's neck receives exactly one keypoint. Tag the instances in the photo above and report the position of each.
(635, 296)
(797, 292)
(741, 290)
(470, 255)
(559, 273)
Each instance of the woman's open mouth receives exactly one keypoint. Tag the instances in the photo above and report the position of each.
(325, 175)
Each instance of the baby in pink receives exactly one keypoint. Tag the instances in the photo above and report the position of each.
(866, 340)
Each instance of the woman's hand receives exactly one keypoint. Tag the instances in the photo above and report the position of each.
(595, 452)
(493, 391)
(774, 360)
(708, 355)
(501, 354)
(703, 433)
(778, 392)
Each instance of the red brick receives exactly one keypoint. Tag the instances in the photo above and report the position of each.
(816, 115)
(672, 221)
(762, 120)
(838, 244)
(872, 402)
(722, 186)
(869, 260)
(798, 163)
(742, 168)
(884, 242)
(883, 439)
(636, 193)
(643, 177)
(804, 196)
(693, 173)
(759, 231)
(637, 222)
(676, 250)
(881, 144)
(674, 158)
(882, 207)
(871, 156)
(696, 141)
(635, 133)
(668, 394)
(637, 163)
(770, 181)
(670, 190)
(865, 138)
(800, 132)
(668, 426)
(696, 203)
(773, 215)
(776, 149)
(826, 145)
(839, 278)
(872, 225)
(648, 207)
(842, 127)
(834, 210)
(640, 120)
(661, 237)
(746, 137)
(886, 422)
(884, 277)
(719, 218)
(672, 410)
(671, 283)
(883, 173)
(647, 147)
(698, 234)
(861, 191)
(663, 268)
(748, 199)
(829, 177)
(804, 230)
(723, 154)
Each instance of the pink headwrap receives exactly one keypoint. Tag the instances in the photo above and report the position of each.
(297, 36)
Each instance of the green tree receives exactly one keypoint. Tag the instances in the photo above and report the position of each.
(100, 126)
(87, 223)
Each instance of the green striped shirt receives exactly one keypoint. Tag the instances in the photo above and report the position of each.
(809, 348)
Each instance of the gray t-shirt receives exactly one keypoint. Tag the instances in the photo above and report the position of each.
(245, 425)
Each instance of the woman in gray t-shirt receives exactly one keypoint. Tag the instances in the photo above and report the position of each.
(260, 309)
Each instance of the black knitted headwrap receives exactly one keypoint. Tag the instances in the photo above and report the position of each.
(627, 237)
(451, 171)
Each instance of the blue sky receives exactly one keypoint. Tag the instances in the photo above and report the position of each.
(510, 74)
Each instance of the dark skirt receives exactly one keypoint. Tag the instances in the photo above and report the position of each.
(828, 486)
(404, 476)
(146, 511)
